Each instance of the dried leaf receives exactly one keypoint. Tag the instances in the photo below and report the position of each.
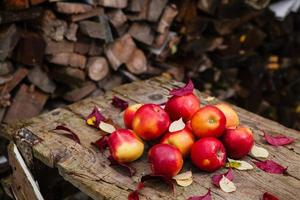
(106, 127)
(177, 125)
(160, 178)
(184, 176)
(268, 196)
(259, 152)
(187, 89)
(95, 117)
(207, 196)
(270, 166)
(184, 183)
(134, 195)
(119, 103)
(239, 164)
(68, 133)
(101, 144)
(129, 169)
(278, 140)
(217, 177)
(227, 185)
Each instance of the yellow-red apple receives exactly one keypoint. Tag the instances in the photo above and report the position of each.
(165, 160)
(129, 114)
(125, 146)
(150, 122)
(232, 118)
(208, 121)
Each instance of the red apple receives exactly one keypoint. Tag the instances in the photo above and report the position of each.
(232, 119)
(182, 139)
(165, 160)
(129, 114)
(150, 121)
(208, 154)
(238, 141)
(125, 146)
(208, 121)
(182, 106)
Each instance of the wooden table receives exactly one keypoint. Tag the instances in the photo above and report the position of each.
(88, 169)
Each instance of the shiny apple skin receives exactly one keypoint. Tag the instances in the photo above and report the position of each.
(208, 154)
(165, 160)
(232, 118)
(129, 115)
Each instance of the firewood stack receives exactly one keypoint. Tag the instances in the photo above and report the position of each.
(54, 52)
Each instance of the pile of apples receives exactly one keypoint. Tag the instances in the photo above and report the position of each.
(180, 130)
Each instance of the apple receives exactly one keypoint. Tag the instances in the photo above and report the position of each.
(238, 141)
(232, 119)
(150, 122)
(182, 106)
(182, 139)
(208, 121)
(208, 154)
(125, 146)
(165, 160)
(129, 114)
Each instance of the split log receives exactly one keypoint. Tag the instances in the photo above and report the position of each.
(93, 29)
(120, 51)
(40, 79)
(9, 37)
(160, 39)
(18, 76)
(72, 8)
(155, 9)
(81, 92)
(167, 18)
(113, 3)
(27, 103)
(68, 75)
(83, 45)
(110, 82)
(20, 15)
(68, 59)
(135, 5)
(54, 47)
(142, 32)
(92, 13)
(141, 15)
(137, 62)
(117, 18)
(97, 68)
(71, 32)
(95, 48)
(6, 68)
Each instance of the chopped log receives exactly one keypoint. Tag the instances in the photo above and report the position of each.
(16, 4)
(68, 75)
(113, 3)
(40, 79)
(155, 9)
(207, 6)
(117, 18)
(36, 2)
(30, 49)
(9, 37)
(135, 5)
(160, 39)
(21, 15)
(137, 62)
(18, 76)
(81, 92)
(95, 49)
(82, 46)
(27, 103)
(120, 51)
(5, 79)
(93, 29)
(92, 13)
(142, 15)
(97, 68)
(72, 8)
(54, 47)
(6, 68)
(110, 82)
(68, 59)
(167, 18)
(142, 32)
(71, 32)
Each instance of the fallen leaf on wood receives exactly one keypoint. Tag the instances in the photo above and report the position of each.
(101, 144)
(227, 185)
(187, 89)
(268, 196)
(239, 164)
(106, 127)
(95, 117)
(129, 169)
(134, 195)
(207, 196)
(119, 103)
(270, 166)
(217, 177)
(278, 140)
(67, 133)
(259, 152)
(184, 179)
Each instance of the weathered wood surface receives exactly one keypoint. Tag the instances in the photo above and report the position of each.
(88, 169)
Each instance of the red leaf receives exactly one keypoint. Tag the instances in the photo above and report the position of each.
(187, 89)
(101, 144)
(278, 140)
(217, 177)
(207, 196)
(69, 133)
(270, 167)
(134, 195)
(95, 117)
(268, 196)
(119, 103)
(166, 180)
(129, 169)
